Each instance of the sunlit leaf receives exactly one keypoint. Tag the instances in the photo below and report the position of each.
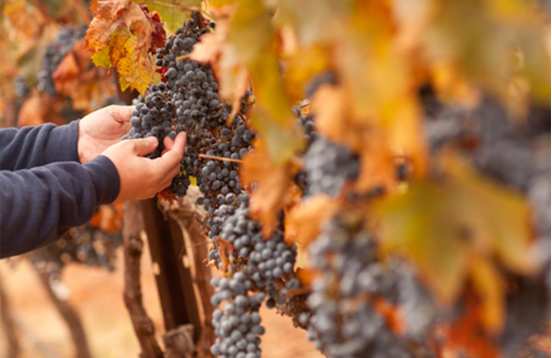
(172, 12)
(493, 46)
(453, 228)
(311, 16)
(123, 35)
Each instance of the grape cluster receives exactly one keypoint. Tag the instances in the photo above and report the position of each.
(55, 52)
(86, 245)
(187, 100)
(344, 322)
(267, 260)
(258, 270)
(22, 88)
(513, 153)
(328, 167)
(237, 321)
(516, 154)
(325, 78)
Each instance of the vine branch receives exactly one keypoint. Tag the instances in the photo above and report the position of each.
(133, 247)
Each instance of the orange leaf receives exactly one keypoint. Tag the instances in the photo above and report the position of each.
(271, 184)
(33, 111)
(108, 218)
(124, 35)
(332, 117)
(77, 78)
(304, 221)
(306, 275)
(214, 49)
(466, 335)
(40, 108)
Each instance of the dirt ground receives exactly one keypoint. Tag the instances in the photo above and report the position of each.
(97, 295)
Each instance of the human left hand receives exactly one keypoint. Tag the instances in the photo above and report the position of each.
(101, 129)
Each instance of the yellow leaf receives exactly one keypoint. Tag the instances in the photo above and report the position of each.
(454, 228)
(250, 57)
(124, 35)
(231, 73)
(484, 46)
(333, 117)
(101, 58)
(315, 21)
(488, 284)
(172, 12)
(498, 218)
(301, 66)
(421, 226)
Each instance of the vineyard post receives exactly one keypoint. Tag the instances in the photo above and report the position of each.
(180, 284)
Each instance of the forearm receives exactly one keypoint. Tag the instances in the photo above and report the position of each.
(29, 147)
(37, 205)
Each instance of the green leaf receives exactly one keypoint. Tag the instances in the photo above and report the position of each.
(173, 13)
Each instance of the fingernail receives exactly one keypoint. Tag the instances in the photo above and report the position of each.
(152, 140)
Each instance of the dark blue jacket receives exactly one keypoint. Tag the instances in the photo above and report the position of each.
(44, 190)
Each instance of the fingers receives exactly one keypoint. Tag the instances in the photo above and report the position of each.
(168, 142)
(180, 143)
(143, 146)
(169, 177)
(172, 157)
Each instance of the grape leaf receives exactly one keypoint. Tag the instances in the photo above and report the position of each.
(172, 12)
(124, 35)
(464, 335)
(76, 77)
(231, 73)
(272, 186)
(24, 18)
(41, 108)
(304, 221)
(322, 14)
(452, 230)
(503, 48)
(377, 147)
(301, 65)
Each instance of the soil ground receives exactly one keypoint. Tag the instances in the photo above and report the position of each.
(97, 295)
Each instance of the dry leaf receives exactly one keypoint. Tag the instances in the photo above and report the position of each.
(271, 185)
(124, 35)
(76, 77)
(304, 221)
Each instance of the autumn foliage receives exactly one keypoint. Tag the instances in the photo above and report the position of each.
(466, 234)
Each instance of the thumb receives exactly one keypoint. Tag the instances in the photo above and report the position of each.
(121, 114)
(143, 146)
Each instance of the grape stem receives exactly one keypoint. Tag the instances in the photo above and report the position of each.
(223, 159)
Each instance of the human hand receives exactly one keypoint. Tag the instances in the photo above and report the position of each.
(101, 129)
(140, 177)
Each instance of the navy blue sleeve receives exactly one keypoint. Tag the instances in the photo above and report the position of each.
(37, 205)
(29, 147)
